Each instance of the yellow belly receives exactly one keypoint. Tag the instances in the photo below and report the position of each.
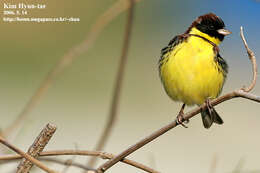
(190, 74)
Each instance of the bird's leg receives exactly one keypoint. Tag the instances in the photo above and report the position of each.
(208, 105)
(180, 118)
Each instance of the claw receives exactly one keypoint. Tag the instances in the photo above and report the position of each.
(209, 106)
(180, 117)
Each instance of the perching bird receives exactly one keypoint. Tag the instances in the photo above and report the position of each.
(191, 68)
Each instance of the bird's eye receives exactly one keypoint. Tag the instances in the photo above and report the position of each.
(211, 27)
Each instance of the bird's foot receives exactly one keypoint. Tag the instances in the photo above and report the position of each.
(180, 119)
(209, 106)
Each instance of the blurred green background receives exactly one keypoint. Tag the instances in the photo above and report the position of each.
(79, 100)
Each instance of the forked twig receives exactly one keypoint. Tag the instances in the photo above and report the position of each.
(237, 93)
(27, 156)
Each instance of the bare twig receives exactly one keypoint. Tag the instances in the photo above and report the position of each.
(65, 162)
(66, 60)
(102, 155)
(118, 85)
(47, 159)
(38, 145)
(251, 56)
(27, 156)
(237, 93)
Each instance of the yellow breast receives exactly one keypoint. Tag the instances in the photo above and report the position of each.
(190, 73)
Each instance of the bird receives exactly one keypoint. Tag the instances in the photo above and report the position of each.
(191, 68)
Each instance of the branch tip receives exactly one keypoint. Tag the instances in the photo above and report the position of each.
(252, 58)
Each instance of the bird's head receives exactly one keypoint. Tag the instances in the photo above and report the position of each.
(211, 25)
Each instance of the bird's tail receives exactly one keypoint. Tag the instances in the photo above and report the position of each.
(210, 115)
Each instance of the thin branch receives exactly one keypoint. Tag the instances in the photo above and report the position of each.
(237, 93)
(251, 56)
(118, 85)
(27, 156)
(38, 145)
(14, 158)
(67, 60)
(102, 155)
(66, 163)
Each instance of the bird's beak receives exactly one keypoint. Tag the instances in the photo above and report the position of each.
(224, 32)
